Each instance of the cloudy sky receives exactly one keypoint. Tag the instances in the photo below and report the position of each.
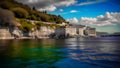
(102, 14)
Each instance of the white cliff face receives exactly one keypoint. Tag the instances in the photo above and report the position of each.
(5, 34)
(71, 31)
(51, 30)
(44, 31)
(17, 32)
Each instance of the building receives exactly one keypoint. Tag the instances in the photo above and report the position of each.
(80, 30)
(91, 32)
(76, 31)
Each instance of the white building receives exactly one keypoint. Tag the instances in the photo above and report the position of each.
(81, 31)
(91, 32)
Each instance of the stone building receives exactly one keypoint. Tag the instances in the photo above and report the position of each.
(80, 30)
(91, 32)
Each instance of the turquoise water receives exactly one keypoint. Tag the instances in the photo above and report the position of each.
(64, 53)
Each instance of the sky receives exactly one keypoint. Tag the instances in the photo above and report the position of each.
(104, 15)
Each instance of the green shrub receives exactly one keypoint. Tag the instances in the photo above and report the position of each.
(26, 26)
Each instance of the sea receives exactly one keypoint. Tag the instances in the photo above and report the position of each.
(102, 52)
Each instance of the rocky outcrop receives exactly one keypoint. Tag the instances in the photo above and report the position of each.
(44, 32)
(48, 32)
(5, 34)
(17, 33)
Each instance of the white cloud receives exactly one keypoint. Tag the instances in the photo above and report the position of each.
(108, 19)
(73, 20)
(48, 4)
(65, 2)
(50, 8)
(73, 11)
(90, 2)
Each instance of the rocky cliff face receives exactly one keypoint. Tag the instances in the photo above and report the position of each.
(5, 34)
(44, 32)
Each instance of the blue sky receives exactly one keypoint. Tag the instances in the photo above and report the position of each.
(104, 15)
(89, 10)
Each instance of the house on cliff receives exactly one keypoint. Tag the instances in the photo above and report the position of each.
(90, 32)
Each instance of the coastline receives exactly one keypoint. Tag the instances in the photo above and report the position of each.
(11, 38)
(34, 38)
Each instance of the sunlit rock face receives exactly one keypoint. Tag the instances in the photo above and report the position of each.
(5, 34)
(44, 31)
(71, 30)
(17, 32)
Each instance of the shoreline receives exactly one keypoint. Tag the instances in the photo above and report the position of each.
(31, 38)
(12, 38)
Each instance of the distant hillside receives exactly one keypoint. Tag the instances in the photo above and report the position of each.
(23, 11)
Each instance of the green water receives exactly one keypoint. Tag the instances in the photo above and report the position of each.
(30, 53)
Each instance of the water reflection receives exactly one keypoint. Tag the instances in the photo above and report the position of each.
(102, 53)
(31, 53)
(68, 53)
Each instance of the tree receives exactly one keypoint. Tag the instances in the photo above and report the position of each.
(26, 26)
(20, 12)
(45, 12)
(33, 17)
(44, 17)
(6, 18)
(34, 8)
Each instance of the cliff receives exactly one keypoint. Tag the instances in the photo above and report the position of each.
(5, 34)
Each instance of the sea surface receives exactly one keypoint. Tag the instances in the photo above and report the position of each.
(101, 52)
